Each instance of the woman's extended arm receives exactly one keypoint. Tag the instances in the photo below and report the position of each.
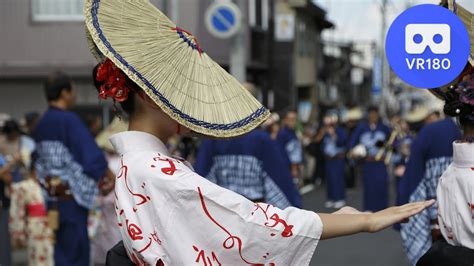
(341, 224)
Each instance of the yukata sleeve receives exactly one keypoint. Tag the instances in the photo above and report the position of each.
(416, 233)
(415, 170)
(431, 194)
(236, 231)
(341, 138)
(355, 137)
(85, 150)
(18, 213)
(295, 151)
(273, 194)
(280, 190)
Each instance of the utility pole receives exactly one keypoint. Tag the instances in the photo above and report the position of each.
(384, 65)
(270, 43)
(171, 9)
(175, 11)
(164, 6)
(238, 53)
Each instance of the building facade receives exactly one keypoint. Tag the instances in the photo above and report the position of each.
(42, 36)
(298, 56)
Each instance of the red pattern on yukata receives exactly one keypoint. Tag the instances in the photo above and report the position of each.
(230, 241)
(170, 169)
(134, 231)
(449, 231)
(206, 260)
(142, 197)
(136, 234)
(155, 238)
(288, 228)
(471, 206)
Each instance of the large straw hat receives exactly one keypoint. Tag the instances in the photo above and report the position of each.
(4, 118)
(331, 117)
(171, 68)
(468, 19)
(418, 114)
(354, 114)
(274, 118)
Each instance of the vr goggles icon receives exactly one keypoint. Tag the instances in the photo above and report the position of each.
(420, 36)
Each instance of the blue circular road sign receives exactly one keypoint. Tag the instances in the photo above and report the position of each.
(223, 19)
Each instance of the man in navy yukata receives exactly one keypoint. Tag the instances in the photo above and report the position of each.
(372, 134)
(290, 142)
(69, 165)
(334, 145)
(251, 165)
(430, 154)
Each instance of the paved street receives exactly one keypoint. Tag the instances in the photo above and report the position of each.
(381, 249)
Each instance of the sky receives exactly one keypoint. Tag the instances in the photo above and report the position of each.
(360, 20)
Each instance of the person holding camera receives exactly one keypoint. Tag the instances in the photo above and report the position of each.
(334, 144)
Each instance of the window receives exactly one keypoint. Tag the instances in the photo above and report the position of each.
(57, 10)
(306, 39)
(259, 13)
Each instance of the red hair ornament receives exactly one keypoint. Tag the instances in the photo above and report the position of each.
(114, 82)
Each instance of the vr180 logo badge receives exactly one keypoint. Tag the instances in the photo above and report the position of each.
(436, 37)
(427, 46)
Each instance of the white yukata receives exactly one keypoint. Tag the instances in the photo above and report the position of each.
(455, 195)
(170, 215)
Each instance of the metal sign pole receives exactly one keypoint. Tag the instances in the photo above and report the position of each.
(223, 20)
(238, 51)
(384, 66)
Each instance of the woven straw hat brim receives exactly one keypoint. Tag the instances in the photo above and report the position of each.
(468, 20)
(354, 114)
(417, 115)
(169, 66)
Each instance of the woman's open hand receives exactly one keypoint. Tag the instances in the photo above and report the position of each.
(348, 221)
(385, 218)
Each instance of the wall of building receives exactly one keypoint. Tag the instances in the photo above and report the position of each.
(21, 96)
(31, 50)
(47, 45)
(283, 65)
(299, 61)
(27, 44)
(305, 51)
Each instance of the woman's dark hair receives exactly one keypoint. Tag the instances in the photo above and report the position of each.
(10, 127)
(31, 117)
(459, 98)
(373, 108)
(129, 104)
(55, 84)
(455, 108)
